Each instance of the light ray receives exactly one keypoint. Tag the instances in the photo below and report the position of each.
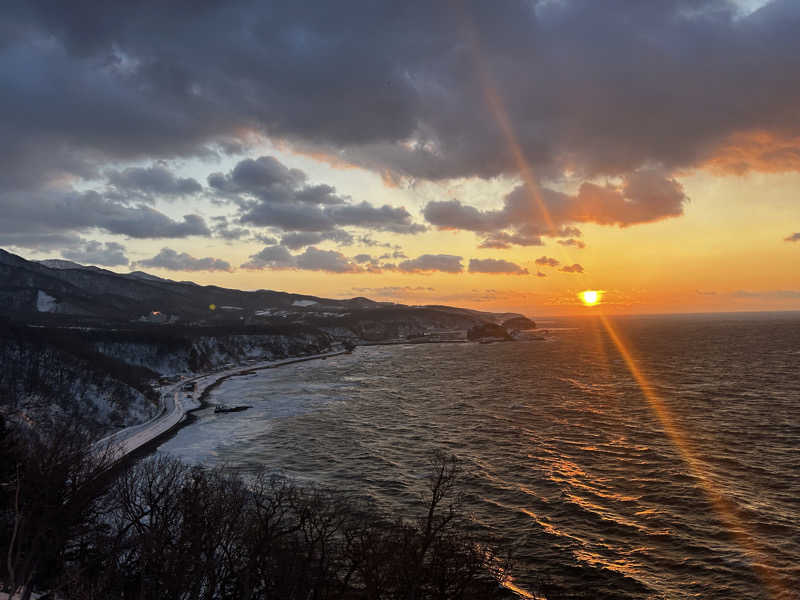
(497, 107)
(724, 507)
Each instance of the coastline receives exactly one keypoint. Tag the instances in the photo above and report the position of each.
(175, 412)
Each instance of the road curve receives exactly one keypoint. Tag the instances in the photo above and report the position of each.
(174, 407)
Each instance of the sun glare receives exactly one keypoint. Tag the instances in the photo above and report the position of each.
(590, 297)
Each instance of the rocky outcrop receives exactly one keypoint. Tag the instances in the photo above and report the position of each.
(519, 324)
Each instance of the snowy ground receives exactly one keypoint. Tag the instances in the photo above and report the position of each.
(176, 404)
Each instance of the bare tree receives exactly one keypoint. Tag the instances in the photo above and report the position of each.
(59, 477)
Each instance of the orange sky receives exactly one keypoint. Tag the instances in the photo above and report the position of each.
(726, 253)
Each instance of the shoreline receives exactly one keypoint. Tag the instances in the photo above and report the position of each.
(175, 412)
(140, 439)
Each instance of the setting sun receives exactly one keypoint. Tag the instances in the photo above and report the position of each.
(590, 297)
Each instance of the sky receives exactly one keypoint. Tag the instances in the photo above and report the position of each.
(498, 156)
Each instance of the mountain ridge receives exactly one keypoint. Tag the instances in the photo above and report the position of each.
(54, 289)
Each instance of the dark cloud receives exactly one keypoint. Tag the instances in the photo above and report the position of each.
(491, 265)
(446, 263)
(91, 252)
(331, 261)
(152, 182)
(58, 212)
(576, 268)
(540, 274)
(301, 239)
(171, 260)
(44, 240)
(547, 261)
(795, 237)
(601, 94)
(314, 218)
(269, 194)
(265, 176)
(572, 242)
(383, 218)
(271, 257)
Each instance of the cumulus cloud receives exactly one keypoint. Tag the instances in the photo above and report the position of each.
(301, 239)
(91, 252)
(271, 257)
(265, 176)
(312, 259)
(155, 181)
(172, 260)
(641, 197)
(546, 261)
(576, 268)
(269, 194)
(446, 263)
(41, 240)
(795, 237)
(60, 211)
(491, 265)
(572, 242)
(501, 240)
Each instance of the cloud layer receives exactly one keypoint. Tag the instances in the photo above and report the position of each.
(583, 88)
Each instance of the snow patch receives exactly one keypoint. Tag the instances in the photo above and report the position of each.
(304, 302)
(45, 302)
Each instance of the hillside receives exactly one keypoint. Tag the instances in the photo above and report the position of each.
(57, 292)
(92, 343)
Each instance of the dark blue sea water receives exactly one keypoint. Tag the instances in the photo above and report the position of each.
(565, 461)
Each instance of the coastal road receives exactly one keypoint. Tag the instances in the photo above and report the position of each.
(175, 405)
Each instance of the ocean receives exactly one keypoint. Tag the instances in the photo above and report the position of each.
(686, 492)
